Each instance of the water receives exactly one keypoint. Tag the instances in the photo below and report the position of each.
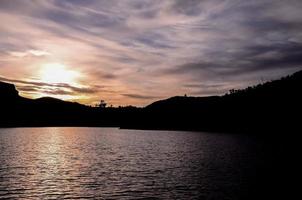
(108, 163)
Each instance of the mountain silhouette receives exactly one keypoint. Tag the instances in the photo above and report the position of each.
(274, 105)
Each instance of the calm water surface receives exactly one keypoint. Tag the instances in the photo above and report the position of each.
(108, 163)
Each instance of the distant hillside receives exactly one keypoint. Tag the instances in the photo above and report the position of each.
(272, 106)
(19, 111)
(284, 88)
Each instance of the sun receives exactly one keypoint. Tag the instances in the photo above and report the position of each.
(57, 73)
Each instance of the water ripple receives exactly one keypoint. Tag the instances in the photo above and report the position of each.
(103, 163)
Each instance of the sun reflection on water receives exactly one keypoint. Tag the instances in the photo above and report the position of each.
(96, 163)
(56, 167)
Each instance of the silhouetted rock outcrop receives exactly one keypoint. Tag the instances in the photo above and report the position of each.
(8, 92)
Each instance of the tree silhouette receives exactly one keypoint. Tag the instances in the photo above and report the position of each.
(102, 104)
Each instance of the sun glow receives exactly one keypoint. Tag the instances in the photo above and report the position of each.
(57, 73)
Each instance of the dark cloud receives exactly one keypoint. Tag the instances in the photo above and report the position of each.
(101, 74)
(154, 42)
(208, 92)
(197, 85)
(203, 89)
(187, 7)
(53, 91)
(255, 58)
(60, 88)
(13, 5)
(56, 91)
(27, 88)
(139, 96)
(66, 3)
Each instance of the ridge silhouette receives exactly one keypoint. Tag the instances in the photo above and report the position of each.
(273, 105)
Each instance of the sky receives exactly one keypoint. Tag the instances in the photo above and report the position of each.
(134, 52)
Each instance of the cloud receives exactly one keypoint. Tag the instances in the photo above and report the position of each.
(134, 46)
(252, 59)
(208, 89)
(139, 96)
(31, 52)
(47, 91)
(38, 52)
(55, 89)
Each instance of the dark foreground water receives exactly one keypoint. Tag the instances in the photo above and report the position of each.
(106, 163)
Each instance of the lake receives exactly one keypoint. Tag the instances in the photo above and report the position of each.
(109, 163)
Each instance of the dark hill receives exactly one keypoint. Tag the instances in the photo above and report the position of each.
(46, 111)
(58, 103)
(182, 103)
(284, 88)
(272, 106)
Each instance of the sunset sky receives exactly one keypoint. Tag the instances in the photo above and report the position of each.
(138, 51)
